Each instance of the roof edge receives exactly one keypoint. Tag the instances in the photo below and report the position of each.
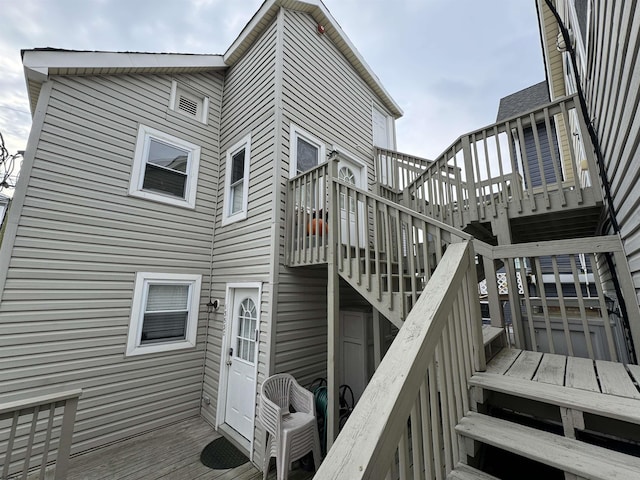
(319, 11)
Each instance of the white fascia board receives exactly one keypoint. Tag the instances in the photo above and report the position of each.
(41, 61)
(332, 29)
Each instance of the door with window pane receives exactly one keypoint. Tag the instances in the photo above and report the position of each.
(241, 361)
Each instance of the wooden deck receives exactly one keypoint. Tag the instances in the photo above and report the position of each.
(582, 373)
(169, 453)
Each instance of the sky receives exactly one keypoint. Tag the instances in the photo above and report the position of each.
(446, 63)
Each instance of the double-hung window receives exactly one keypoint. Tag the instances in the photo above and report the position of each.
(236, 192)
(164, 315)
(307, 152)
(165, 168)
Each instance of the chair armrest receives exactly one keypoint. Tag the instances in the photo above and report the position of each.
(270, 416)
(302, 399)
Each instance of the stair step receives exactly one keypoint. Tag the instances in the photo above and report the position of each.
(568, 455)
(611, 406)
(465, 472)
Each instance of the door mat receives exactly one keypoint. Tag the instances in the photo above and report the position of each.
(222, 454)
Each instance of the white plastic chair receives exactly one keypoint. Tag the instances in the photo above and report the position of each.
(290, 434)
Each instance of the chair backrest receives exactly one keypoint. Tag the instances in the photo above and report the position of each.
(277, 388)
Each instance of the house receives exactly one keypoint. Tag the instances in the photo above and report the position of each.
(144, 257)
(187, 225)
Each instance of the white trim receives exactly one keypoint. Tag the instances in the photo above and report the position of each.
(224, 369)
(204, 101)
(351, 157)
(20, 193)
(228, 217)
(145, 134)
(43, 60)
(295, 133)
(143, 280)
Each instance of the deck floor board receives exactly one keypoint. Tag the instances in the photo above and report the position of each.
(168, 453)
(598, 376)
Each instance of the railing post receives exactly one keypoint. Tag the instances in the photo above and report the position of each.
(495, 309)
(333, 307)
(470, 179)
(66, 436)
(629, 294)
(588, 147)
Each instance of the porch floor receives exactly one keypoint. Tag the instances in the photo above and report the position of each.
(597, 376)
(168, 453)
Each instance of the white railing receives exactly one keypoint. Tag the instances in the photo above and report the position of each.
(35, 433)
(384, 249)
(307, 217)
(396, 170)
(525, 164)
(403, 425)
(557, 296)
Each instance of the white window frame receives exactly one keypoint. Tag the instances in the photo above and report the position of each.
(294, 134)
(227, 216)
(145, 134)
(140, 292)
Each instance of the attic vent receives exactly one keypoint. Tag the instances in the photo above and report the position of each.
(188, 106)
(189, 102)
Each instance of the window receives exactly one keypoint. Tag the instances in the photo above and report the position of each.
(165, 168)
(189, 102)
(164, 315)
(236, 183)
(307, 152)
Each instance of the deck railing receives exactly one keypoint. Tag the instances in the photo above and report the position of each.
(560, 297)
(395, 171)
(35, 432)
(403, 425)
(383, 247)
(540, 160)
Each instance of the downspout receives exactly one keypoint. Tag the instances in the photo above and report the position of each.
(602, 170)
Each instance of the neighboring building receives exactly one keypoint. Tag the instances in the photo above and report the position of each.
(154, 185)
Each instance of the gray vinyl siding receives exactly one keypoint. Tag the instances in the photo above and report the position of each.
(242, 250)
(533, 174)
(323, 95)
(66, 305)
(613, 96)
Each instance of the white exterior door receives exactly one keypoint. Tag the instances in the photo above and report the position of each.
(382, 138)
(354, 174)
(241, 357)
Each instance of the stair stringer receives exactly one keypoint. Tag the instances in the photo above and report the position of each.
(381, 301)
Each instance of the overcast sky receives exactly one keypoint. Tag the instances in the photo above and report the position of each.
(447, 63)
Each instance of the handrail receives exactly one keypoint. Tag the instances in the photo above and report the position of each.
(529, 162)
(395, 170)
(558, 297)
(422, 381)
(28, 441)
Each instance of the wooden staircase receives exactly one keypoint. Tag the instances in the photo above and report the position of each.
(562, 417)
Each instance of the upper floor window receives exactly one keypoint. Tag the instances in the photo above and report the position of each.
(236, 190)
(306, 151)
(165, 168)
(164, 315)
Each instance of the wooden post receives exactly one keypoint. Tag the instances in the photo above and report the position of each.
(333, 310)
(502, 230)
(377, 339)
(629, 293)
(470, 179)
(493, 294)
(66, 434)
